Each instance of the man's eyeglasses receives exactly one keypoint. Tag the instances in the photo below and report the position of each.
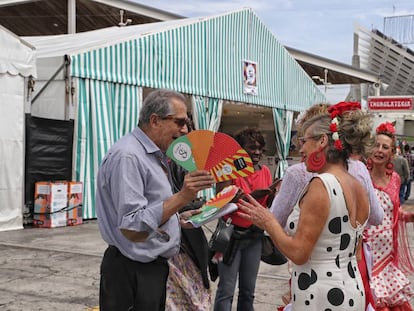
(303, 140)
(179, 121)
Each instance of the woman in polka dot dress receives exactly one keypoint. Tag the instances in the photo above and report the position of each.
(326, 224)
(390, 256)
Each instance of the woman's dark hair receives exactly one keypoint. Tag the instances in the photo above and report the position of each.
(250, 135)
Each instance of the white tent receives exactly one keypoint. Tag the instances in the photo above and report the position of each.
(106, 70)
(17, 63)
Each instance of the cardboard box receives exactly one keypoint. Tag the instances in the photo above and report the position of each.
(50, 203)
(74, 211)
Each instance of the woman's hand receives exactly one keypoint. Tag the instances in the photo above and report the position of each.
(254, 212)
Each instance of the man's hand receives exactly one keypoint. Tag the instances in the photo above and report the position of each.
(194, 182)
(184, 216)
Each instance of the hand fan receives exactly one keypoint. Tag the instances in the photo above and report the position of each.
(227, 195)
(216, 152)
(217, 206)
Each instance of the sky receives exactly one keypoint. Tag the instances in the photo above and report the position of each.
(324, 28)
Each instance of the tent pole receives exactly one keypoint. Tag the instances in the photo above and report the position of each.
(71, 16)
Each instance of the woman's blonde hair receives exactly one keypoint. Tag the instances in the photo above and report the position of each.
(354, 129)
(315, 110)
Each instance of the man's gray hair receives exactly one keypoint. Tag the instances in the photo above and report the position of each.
(158, 102)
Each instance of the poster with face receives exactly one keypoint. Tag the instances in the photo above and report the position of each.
(250, 77)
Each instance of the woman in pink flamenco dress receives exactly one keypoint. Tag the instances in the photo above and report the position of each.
(391, 258)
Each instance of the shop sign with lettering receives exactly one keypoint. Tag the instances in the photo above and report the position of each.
(390, 103)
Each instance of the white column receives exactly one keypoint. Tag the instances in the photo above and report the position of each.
(71, 16)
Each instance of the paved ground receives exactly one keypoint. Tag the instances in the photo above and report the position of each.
(50, 269)
(58, 269)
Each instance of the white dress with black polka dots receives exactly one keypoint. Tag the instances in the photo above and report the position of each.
(330, 280)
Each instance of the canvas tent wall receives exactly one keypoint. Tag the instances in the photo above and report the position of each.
(202, 57)
(17, 64)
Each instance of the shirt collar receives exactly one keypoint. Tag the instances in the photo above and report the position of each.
(148, 144)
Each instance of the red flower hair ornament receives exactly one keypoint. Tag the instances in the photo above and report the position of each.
(386, 127)
(336, 111)
(339, 108)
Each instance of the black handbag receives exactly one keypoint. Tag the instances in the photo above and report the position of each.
(221, 237)
(270, 253)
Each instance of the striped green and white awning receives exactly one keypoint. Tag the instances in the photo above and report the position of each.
(199, 56)
(204, 56)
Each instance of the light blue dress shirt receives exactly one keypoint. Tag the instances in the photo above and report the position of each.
(132, 185)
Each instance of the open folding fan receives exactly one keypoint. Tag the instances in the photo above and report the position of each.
(216, 152)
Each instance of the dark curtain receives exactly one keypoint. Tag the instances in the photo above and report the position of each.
(49, 146)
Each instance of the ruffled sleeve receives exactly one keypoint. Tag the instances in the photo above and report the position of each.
(294, 181)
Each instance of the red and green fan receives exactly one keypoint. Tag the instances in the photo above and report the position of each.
(217, 206)
(216, 152)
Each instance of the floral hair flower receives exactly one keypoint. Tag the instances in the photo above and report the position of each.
(333, 127)
(339, 108)
(386, 127)
(336, 111)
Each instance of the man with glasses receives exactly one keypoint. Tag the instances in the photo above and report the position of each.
(137, 211)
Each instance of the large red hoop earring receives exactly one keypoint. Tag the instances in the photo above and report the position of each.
(316, 161)
(389, 168)
(369, 164)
